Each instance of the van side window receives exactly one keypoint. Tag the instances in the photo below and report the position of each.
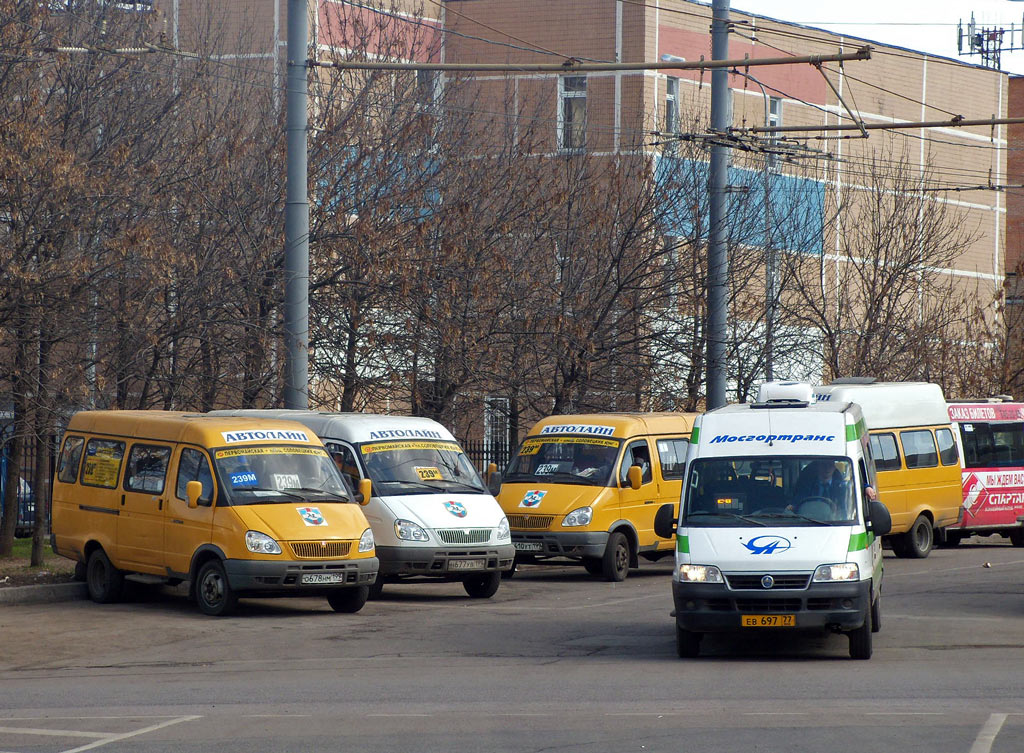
(147, 468)
(345, 459)
(884, 451)
(638, 453)
(672, 455)
(919, 449)
(102, 465)
(947, 447)
(193, 466)
(70, 457)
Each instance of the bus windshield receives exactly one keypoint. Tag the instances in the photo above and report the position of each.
(419, 466)
(564, 460)
(770, 491)
(258, 475)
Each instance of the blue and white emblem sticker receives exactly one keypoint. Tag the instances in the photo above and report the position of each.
(768, 544)
(312, 516)
(456, 508)
(533, 497)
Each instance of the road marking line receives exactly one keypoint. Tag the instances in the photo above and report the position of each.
(931, 573)
(126, 735)
(53, 732)
(988, 734)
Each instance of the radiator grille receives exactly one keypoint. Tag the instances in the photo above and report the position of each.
(787, 580)
(464, 535)
(530, 522)
(320, 550)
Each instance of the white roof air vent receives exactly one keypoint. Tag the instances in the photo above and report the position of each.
(770, 392)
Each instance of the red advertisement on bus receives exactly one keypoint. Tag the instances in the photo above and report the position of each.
(991, 439)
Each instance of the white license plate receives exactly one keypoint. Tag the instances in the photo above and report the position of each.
(323, 578)
(467, 564)
(527, 546)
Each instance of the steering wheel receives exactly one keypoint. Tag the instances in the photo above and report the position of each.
(817, 498)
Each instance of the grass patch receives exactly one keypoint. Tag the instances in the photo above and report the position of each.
(17, 566)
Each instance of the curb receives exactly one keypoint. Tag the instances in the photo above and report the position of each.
(44, 593)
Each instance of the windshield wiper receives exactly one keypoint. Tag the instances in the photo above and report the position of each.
(282, 492)
(423, 484)
(316, 490)
(796, 515)
(463, 483)
(723, 513)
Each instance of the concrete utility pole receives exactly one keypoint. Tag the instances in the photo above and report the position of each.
(296, 218)
(718, 260)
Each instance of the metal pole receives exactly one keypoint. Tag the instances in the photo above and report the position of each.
(296, 218)
(718, 262)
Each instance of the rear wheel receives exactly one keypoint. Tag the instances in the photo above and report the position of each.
(1017, 536)
(105, 582)
(915, 543)
(687, 643)
(214, 594)
(482, 586)
(615, 563)
(860, 639)
(947, 539)
(348, 600)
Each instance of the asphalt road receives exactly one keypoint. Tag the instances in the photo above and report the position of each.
(556, 661)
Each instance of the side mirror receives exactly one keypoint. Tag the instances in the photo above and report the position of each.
(365, 491)
(881, 520)
(494, 482)
(194, 490)
(635, 475)
(665, 520)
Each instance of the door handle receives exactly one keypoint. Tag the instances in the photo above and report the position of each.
(649, 502)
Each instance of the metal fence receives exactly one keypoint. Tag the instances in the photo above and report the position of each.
(30, 499)
(483, 453)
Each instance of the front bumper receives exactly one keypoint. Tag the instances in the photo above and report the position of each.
(560, 543)
(443, 562)
(286, 576)
(714, 607)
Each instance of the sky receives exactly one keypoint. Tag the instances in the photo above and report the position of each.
(925, 25)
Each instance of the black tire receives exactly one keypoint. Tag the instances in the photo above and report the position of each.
(876, 614)
(214, 595)
(80, 571)
(860, 639)
(917, 542)
(348, 600)
(687, 643)
(593, 565)
(105, 582)
(510, 573)
(1016, 536)
(482, 586)
(615, 563)
(375, 589)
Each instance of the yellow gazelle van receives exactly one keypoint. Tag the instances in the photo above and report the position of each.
(915, 454)
(587, 487)
(235, 506)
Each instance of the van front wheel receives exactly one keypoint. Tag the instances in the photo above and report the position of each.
(104, 581)
(482, 586)
(615, 563)
(214, 594)
(687, 643)
(860, 639)
(348, 600)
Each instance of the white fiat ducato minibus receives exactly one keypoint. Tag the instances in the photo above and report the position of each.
(777, 527)
(431, 514)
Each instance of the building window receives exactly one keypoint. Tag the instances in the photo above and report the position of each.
(572, 112)
(773, 118)
(671, 128)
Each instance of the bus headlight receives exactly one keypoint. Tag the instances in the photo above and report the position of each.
(366, 541)
(833, 573)
(699, 574)
(406, 530)
(260, 543)
(581, 516)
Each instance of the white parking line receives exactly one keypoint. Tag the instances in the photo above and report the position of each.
(51, 732)
(126, 735)
(988, 734)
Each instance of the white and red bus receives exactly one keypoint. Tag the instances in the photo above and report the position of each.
(990, 434)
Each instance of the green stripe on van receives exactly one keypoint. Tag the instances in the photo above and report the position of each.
(695, 435)
(855, 431)
(861, 540)
(682, 544)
